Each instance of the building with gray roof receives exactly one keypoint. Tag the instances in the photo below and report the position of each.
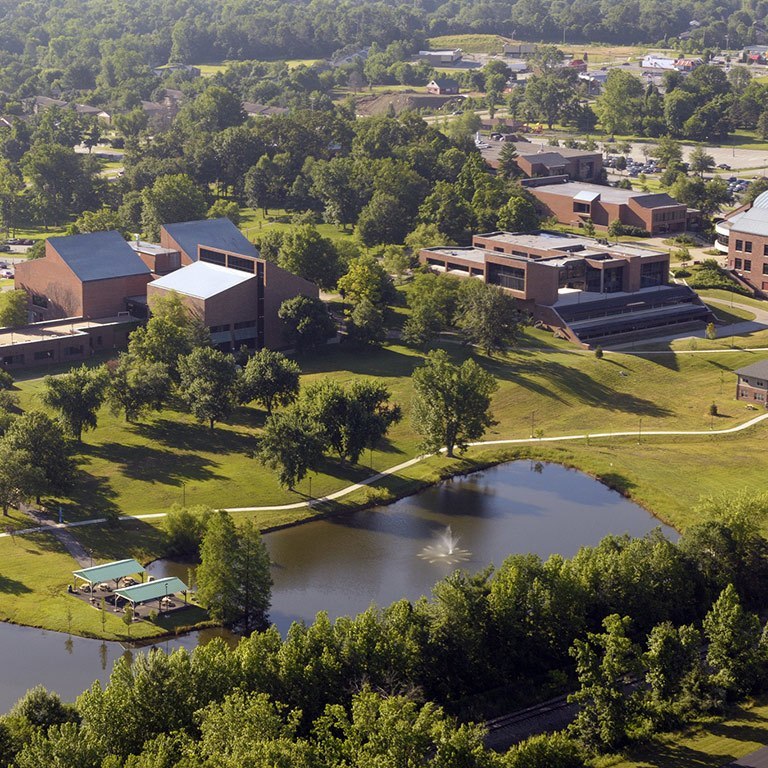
(222, 235)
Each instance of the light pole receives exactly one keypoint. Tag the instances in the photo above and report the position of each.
(639, 430)
(533, 421)
(183, 494)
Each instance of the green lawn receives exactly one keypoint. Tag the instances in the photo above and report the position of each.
(735, 298)
(728, 314)
(709, 745)
(253, 222)
(468, 43)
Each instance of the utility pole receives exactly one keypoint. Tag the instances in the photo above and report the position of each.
(533, 421)
(639, 430)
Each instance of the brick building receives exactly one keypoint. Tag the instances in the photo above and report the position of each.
(752, 384)
(574, 203)
(100, 280)
(744, 237)
(91, 275)
(537, 160)
(588, 291)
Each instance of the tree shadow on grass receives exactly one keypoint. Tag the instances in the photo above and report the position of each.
(126, 538)
(195, 437)
(11, 586)
(582, 387)
(669, 755)
(155, 465)
(91, 497)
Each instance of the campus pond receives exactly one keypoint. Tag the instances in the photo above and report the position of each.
(343, 564)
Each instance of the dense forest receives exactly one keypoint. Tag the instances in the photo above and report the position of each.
(83, 43)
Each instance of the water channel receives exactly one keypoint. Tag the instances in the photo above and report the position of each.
(342, 565)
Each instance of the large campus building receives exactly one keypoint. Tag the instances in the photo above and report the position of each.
(743, 237)
(574, 203)
(90, 291)
(586, 290)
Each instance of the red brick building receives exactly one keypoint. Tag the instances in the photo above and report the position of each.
(585, 290)
(91, 275)
(575, 203)
(744, 237)
(752, 384)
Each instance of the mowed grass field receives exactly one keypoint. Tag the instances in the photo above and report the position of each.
(168, 457)
(708, 745)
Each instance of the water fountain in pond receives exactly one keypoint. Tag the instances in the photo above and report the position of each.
(445, 550)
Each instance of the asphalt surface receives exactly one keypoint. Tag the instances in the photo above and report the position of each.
(757, 759)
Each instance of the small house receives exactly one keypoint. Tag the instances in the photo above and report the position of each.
(443, 86)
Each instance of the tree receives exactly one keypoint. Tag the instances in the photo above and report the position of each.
(254, 579)
(733, 653)
(448, 210)
(762, 125)
(270, 378)
(486, 316)
(103, 220)
(700, 162)
(171, 332)
(350, 419)
(551, 750)
(365, 323)
(14, 308)
(620, 106)
(673, 668)
(305, 252)
(172, 198)
(137, 385)
(217, 585)
(225, 209)
(20, 479)
(452, 402)
(11, 187)
(367, 279)
(426, 236)
(40, 436)
(508, 157)
(432, 301)
(185, 529)
(604, 664)
(77, 396)
(549, 95)
(518, 214)
(668, 152)
(384, 220)
(307, 322)
(208, 383)
(291, 444)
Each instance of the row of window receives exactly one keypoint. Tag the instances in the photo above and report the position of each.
(745, 265)
(237, 326)
(755, 395)
(745, 246)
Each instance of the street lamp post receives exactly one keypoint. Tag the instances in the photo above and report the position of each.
(639, 430)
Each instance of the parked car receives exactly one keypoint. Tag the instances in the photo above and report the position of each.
(4, 247)
(26, 241)
(724, 167)
(6, 273)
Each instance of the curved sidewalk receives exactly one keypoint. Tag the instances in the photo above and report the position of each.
(52, 527)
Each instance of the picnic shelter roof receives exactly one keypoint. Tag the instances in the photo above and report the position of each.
(109, 571)
(152, 590)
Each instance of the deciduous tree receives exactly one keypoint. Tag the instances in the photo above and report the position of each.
(270, 378)
(487, 317)
(77, 396)
(452, 402)
(208, 384)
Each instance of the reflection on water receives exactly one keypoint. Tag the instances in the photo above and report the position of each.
(344, 564)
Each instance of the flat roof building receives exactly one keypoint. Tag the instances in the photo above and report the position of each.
(574, 203)
(537, 160)
(583, 289)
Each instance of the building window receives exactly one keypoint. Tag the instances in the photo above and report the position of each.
(243, 265)
(737, 263)
(748, 246)
(765, 250)
(39, 301)
(45, 354)
(219, 328)
(73, 351)
(507, 277)
(654, 273)
(739, 245)
(498, 249)
(213, 257)
(581, 207)
(245, 324)
(747, 265)
(765, 269)
(13, 359)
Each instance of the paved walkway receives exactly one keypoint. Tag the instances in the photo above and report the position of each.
(56, 527)
(758, 759)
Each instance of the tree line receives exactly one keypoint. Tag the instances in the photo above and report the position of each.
(622, 623)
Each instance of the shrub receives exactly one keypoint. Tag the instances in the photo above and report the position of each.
(599, 353)
(6, 380)
(682, 273)
(713, 409)
(709, 274)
